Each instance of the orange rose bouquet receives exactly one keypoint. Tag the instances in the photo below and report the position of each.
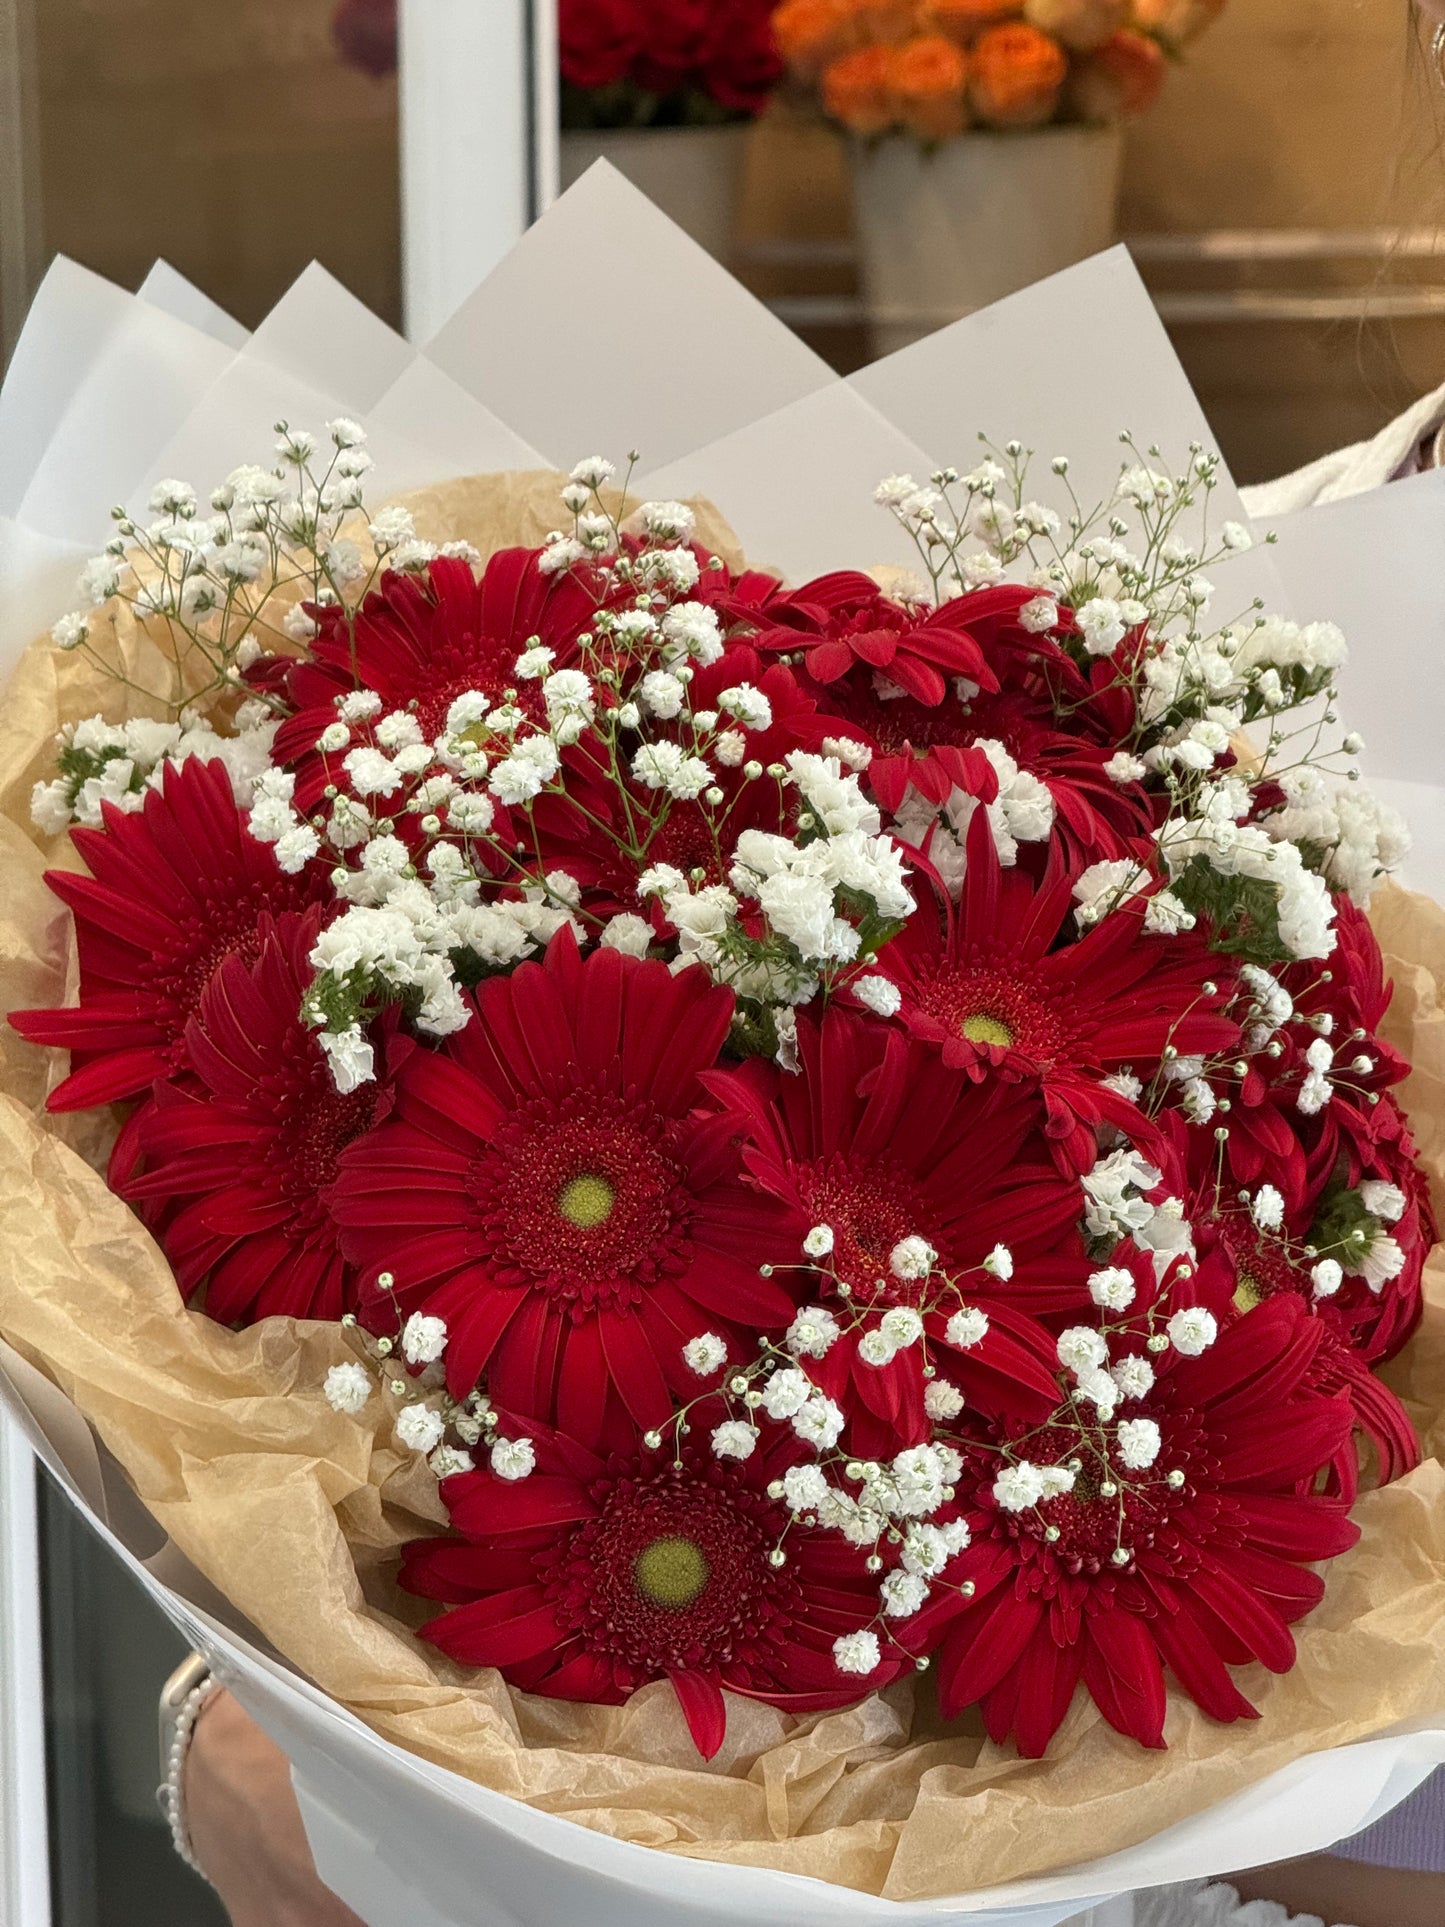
(935, 68)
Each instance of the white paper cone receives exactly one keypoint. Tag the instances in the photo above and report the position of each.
(799, 484)
(169, 290)
(607, 329)
(1372, 564)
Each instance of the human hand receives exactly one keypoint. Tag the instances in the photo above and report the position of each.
(245, 1825)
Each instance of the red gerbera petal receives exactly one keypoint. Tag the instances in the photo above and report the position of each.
(1195, 1561)
(178, 886)
(249, 1145)
(652, 1567)
(999, 992)
(572, 1175)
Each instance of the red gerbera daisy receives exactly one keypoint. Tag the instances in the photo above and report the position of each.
(592, 1577)
(1195, 1561)
(419, 642)
(626, 829)
(931, 748)
(877, 1139)
(243, 1153)
(549, 1187)
(1288, 1126)
(843, 620)
(990, 986)
(175, 889)
(1241, 1267)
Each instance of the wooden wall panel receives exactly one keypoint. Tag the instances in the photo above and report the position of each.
(227, 138)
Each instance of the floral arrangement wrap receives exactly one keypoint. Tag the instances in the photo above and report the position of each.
(935, 68)
(847, 1126)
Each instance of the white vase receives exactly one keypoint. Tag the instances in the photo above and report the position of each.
(694, 174)
(943, 233)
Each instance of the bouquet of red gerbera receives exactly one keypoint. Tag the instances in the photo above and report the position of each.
(665, 63)
(851, 1125)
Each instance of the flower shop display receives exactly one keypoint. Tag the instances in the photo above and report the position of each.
(852, 1128)
(1040, 88)
(667, 93)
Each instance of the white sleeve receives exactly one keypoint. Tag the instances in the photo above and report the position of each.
(1212, 1905)
(1350, 471)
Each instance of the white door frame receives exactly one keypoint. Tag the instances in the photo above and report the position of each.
(24, 1830)
(478, 135)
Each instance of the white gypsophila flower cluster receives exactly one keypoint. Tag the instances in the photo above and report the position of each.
(1022, 812)
(808, 888)
(120, 763)
(1130, 570)
(459, 897)
(1359, 838)
(427, 1420)
(225, 582)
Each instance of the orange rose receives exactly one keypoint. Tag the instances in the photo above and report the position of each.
(930, 78)
(965, 20)
(1123, 77)
(1177, 21)
(810, 33)
(1081, 25)
(858, 90)
(1018, 74)
(889, 20)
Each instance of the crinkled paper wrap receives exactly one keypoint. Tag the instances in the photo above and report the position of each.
(294, 1511)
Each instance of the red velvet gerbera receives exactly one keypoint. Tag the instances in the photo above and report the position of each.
(1196, 1561)
(419, 642)
(549, 1188)
(242, 1154)
(931, 748)
(990, 986)
(1250, 1267)
(175, 889)
(592, 1577)
(876, 1138)
(842, 621)
(627, 829)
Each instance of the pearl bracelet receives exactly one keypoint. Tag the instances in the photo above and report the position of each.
(169, 1796)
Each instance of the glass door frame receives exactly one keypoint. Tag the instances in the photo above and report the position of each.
(478, 137)
(24, 1818)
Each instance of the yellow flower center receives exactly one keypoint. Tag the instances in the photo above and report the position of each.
(983, 1029)
(1247, 1293)
(586, 1201)
(671, 1572)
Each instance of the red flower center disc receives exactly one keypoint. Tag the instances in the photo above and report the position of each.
(869, 1208)
(672, 1575)
(580, 1195)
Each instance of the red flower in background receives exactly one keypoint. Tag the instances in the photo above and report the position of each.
(989, 986)
(743, 67)
(1194, 1574)
(594, 1576)
(599, 40)
(175, 888)
(877, 1139)
(549, 1188)
(364, 33)
(240, 1157)
(721, 48)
